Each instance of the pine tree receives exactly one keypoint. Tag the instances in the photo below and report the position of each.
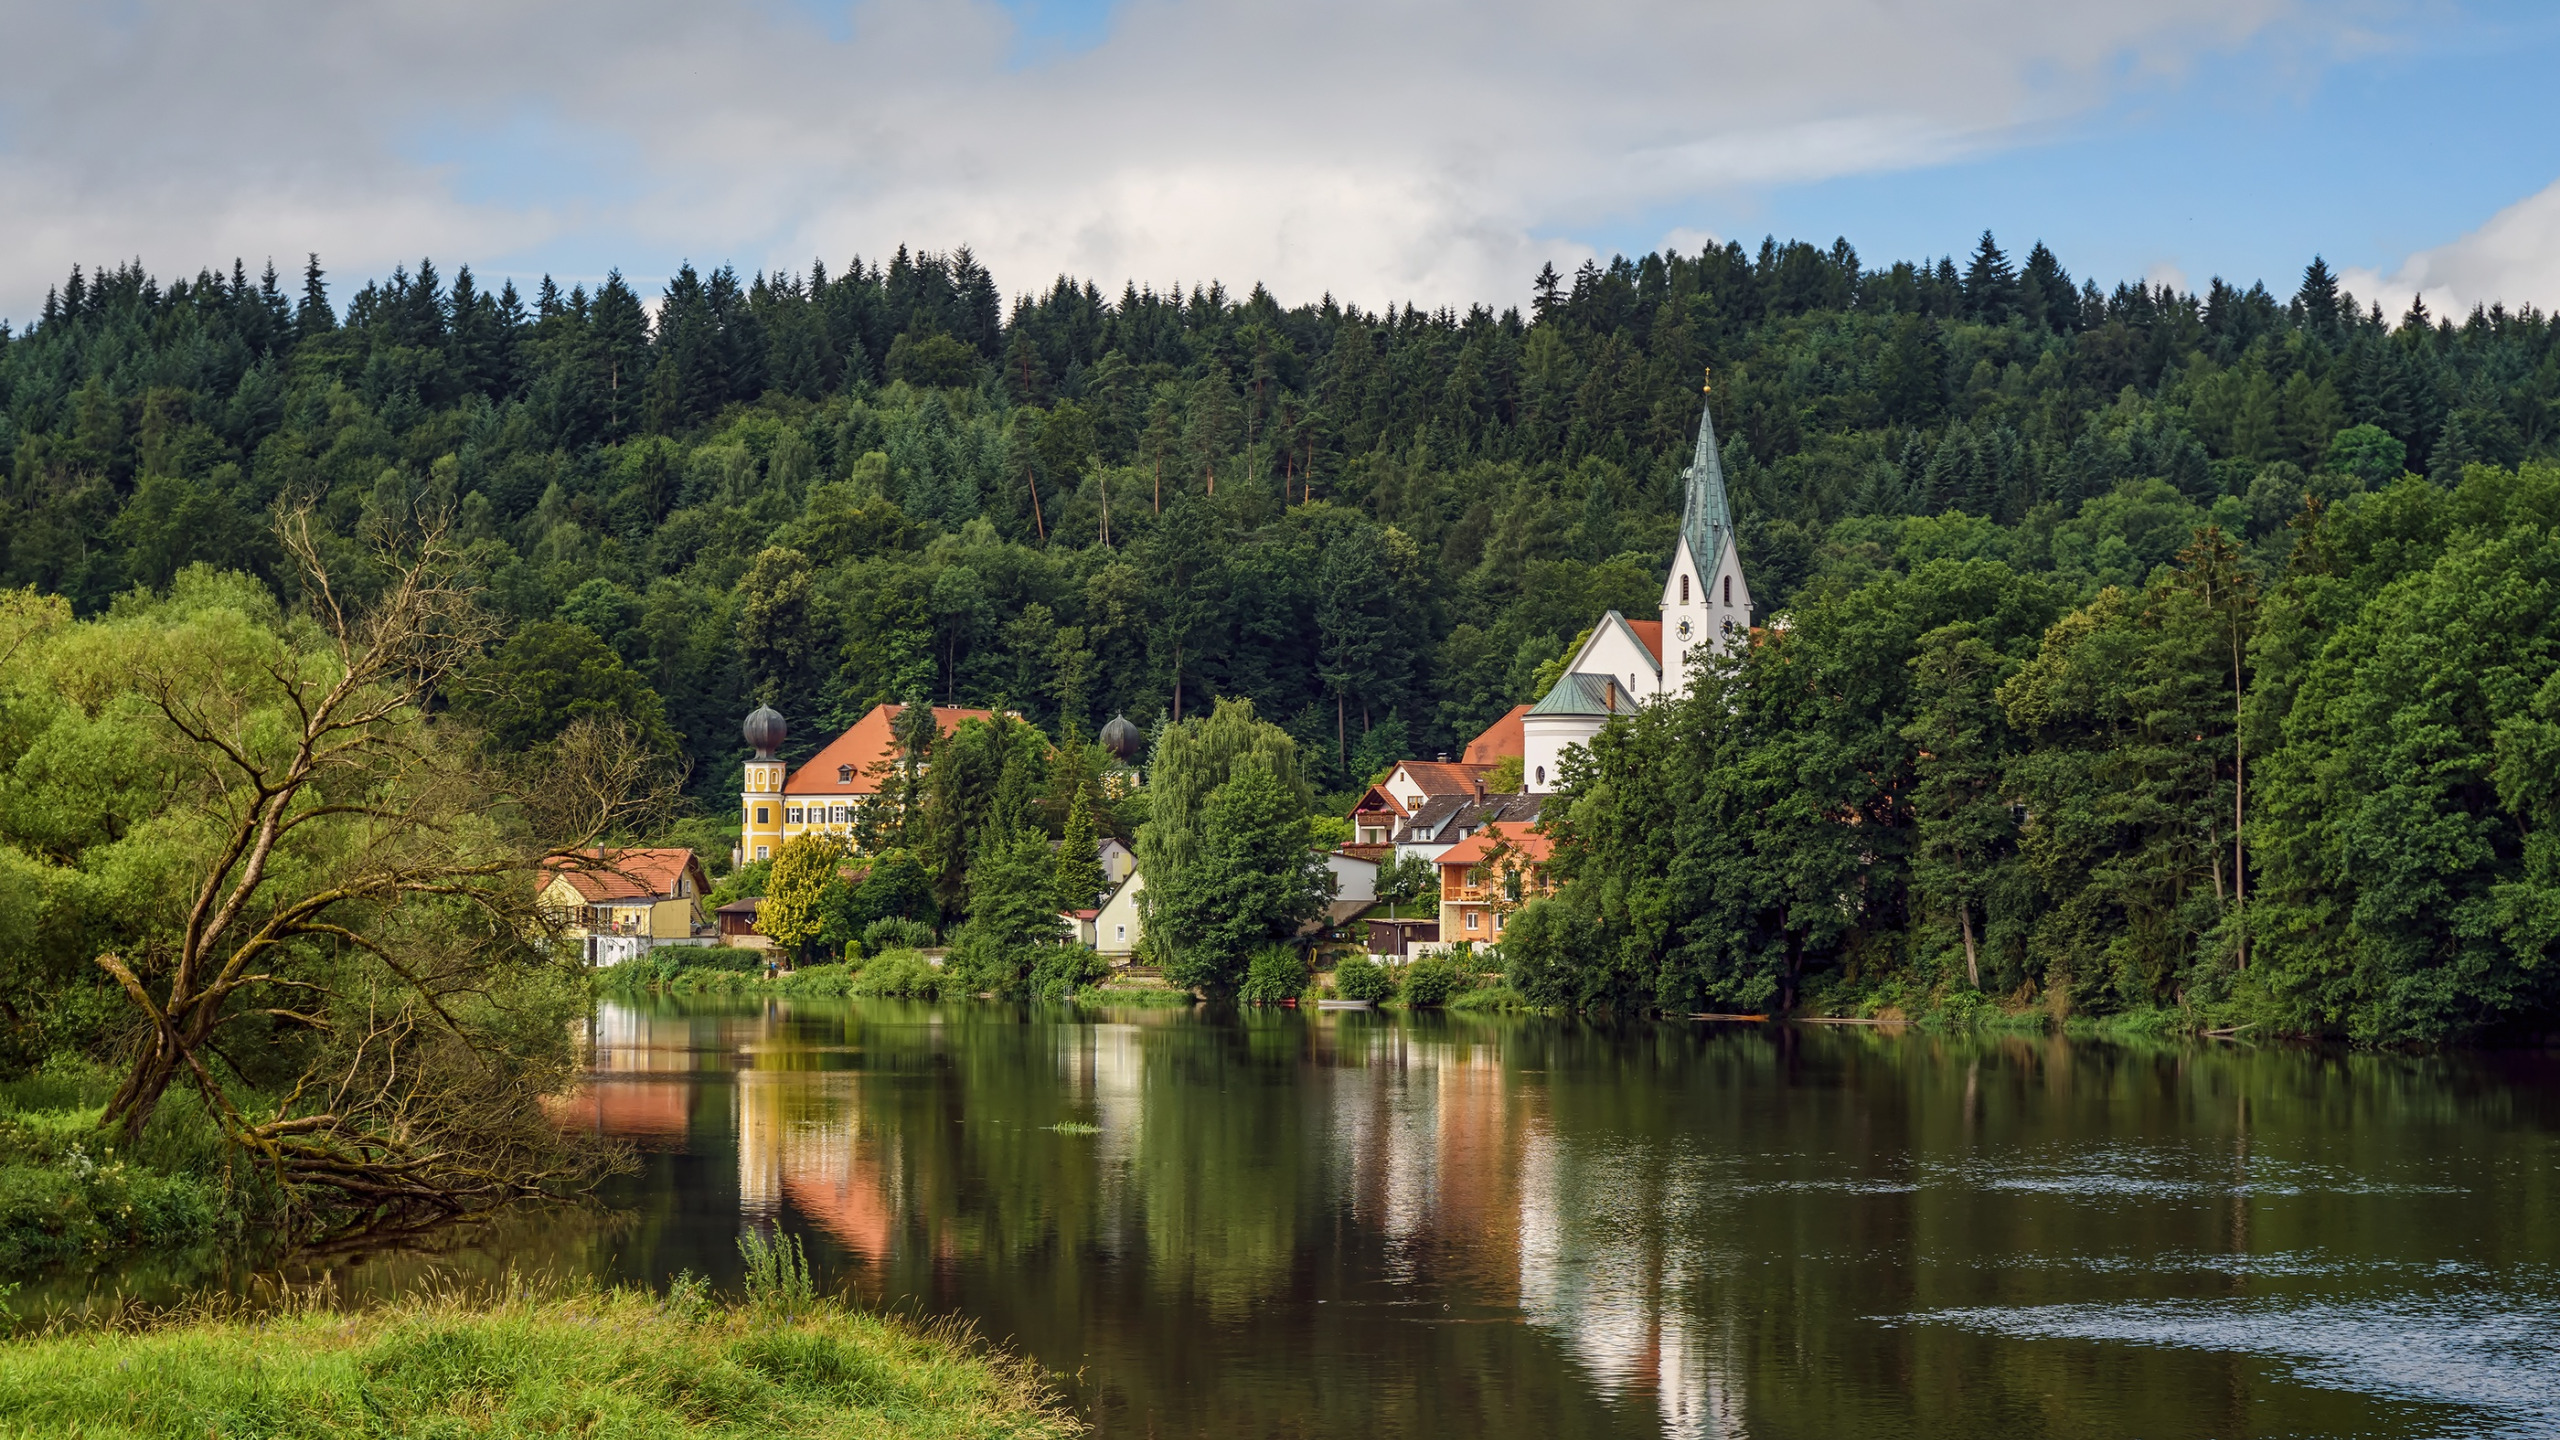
(1080, 881)
(2045, 293)
(2316, 304)
(1990, 285)
(313, 316)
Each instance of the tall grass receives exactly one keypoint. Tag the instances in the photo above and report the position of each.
(777, 1272)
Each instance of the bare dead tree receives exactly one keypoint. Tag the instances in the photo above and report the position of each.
(367, 879)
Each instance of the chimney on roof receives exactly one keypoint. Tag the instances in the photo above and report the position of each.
(1479, 789)
(1444, 757)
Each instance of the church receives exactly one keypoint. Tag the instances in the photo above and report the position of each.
(1623, 663)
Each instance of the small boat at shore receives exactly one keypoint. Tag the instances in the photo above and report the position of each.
(1346, 1005)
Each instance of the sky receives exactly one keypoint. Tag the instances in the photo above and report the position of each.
(1382, 151)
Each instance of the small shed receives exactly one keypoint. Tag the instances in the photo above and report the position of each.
(738, 924)
(1397, 936)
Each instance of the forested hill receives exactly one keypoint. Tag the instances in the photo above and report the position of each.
(829, 489)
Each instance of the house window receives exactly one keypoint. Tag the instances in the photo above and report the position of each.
(684, 887)
(1120, 934)
(1497, 922)
(1684, 589)
(1472, 917)
(1542, 774)
(763, 854)
(792, 816)
(1728, 589)
(844, 774)
(764, 816)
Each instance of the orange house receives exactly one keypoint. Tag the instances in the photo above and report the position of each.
(1485, 877)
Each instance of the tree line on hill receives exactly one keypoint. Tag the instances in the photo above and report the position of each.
(885, 482)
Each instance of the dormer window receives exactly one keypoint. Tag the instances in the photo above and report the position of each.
(844, 774)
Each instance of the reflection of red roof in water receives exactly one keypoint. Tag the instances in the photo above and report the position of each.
(628, 1109)
(846, 1204)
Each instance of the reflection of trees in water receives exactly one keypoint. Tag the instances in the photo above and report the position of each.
(1460, 1225)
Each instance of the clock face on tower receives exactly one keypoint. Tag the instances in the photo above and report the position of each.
(1684, 629)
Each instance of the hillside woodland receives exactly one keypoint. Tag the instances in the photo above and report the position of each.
(2120, 649)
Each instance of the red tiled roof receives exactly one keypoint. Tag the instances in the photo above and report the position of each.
(638, 874)
(1529, 845)
(1502, 740)
(1649, 633)
(1440, 777)
(1383, 801)
(867, 748)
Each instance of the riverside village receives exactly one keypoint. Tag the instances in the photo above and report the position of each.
(1431, 861)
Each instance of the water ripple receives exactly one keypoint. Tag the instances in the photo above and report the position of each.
(2493, 1354)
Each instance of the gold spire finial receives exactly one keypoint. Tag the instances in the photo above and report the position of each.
(1709, 387)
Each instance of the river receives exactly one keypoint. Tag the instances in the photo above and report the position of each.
(1479, 1228)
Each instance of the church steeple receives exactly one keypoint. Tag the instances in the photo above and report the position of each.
(1706, 516)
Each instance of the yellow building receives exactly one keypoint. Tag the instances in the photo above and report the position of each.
(828, 792)
(620, 903)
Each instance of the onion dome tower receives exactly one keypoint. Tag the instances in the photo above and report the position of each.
(1124, 742)
(766, 730)
(760, 830)
(1123, 739)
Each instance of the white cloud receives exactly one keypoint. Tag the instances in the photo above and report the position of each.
(1425, 150)
(2514, 258)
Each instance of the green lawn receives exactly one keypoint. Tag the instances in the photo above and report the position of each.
(601, 1365)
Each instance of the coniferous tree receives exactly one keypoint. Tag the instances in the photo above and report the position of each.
(1990, 284)
(313, 316)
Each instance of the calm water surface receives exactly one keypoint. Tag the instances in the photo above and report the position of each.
(1363, 1225)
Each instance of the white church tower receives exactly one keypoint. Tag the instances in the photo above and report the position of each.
(1706, 604)
(1706, 612)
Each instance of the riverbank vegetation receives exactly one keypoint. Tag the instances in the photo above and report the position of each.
(2315, 797)
(597, 1363)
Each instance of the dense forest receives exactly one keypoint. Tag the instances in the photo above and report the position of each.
(2062, 584)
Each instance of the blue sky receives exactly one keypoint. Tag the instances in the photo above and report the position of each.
(1428, 150)
(2245, 168)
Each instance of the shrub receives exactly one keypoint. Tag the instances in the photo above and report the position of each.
(1359, 979)
(895, 933)
(901, 973)
(1275, 973)
(1431, 980)
(1065, 969)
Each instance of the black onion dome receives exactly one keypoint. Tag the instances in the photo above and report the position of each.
(1123, 739)
(766, 731)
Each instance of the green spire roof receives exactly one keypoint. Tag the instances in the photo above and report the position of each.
(1706, 517)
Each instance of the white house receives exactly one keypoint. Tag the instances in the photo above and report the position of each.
(1353, 877)
(1623, 664)
(1118, 928)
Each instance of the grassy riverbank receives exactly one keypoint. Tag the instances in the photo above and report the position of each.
(69, 1192)
(596, 1364)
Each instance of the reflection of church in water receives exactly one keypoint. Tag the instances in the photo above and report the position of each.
(1449, 1153)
